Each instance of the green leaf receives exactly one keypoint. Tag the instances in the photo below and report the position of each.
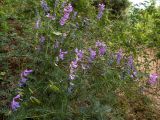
(34, 100)
(2, 73)
(57, 33)
(54, 88)
(31, 90)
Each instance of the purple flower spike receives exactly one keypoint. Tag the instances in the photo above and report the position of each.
(74, 64)
(134, 74)
(24, 74)
(23, 81)
(119, 56)
(98, 44)
(102, 50)
(61, 54)
(45, 6)
(101, 8)
(102, 47)
(153, 78)
(14, 103)
(92, 54)
(130, 62)
(79, 54)
(67, 10)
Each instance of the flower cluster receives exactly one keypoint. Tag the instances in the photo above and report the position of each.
(153, 78)
(92, 54)
(131, 69)
(45, 6)
(101, 8)
(47, 10)
(79, 54)
(101, 47)
(119, 56)
(67, 10)
(74, 63)
(130, 63)
(15, 104)
(24, 78)
(62, 54)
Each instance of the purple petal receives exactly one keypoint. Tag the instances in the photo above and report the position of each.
(14, 103)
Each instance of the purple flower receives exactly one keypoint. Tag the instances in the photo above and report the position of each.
(45, 6)
(42, 39)
(134, 74)
(72, 76)
(67, 10)
(92, 54)
(153, 78)
(102, 50)
(52, 17)
(99, 44)
(14, 103)
(22, 82)
(26, 72)
(102, 47)
(61, 54)
(79, 54)
(101, 8)
(23, 79)
(74, 64)
(119, 56)
(130, 62)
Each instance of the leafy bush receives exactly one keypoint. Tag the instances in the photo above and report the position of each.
(77, 64)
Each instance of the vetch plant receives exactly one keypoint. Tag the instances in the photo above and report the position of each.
(91, 80)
